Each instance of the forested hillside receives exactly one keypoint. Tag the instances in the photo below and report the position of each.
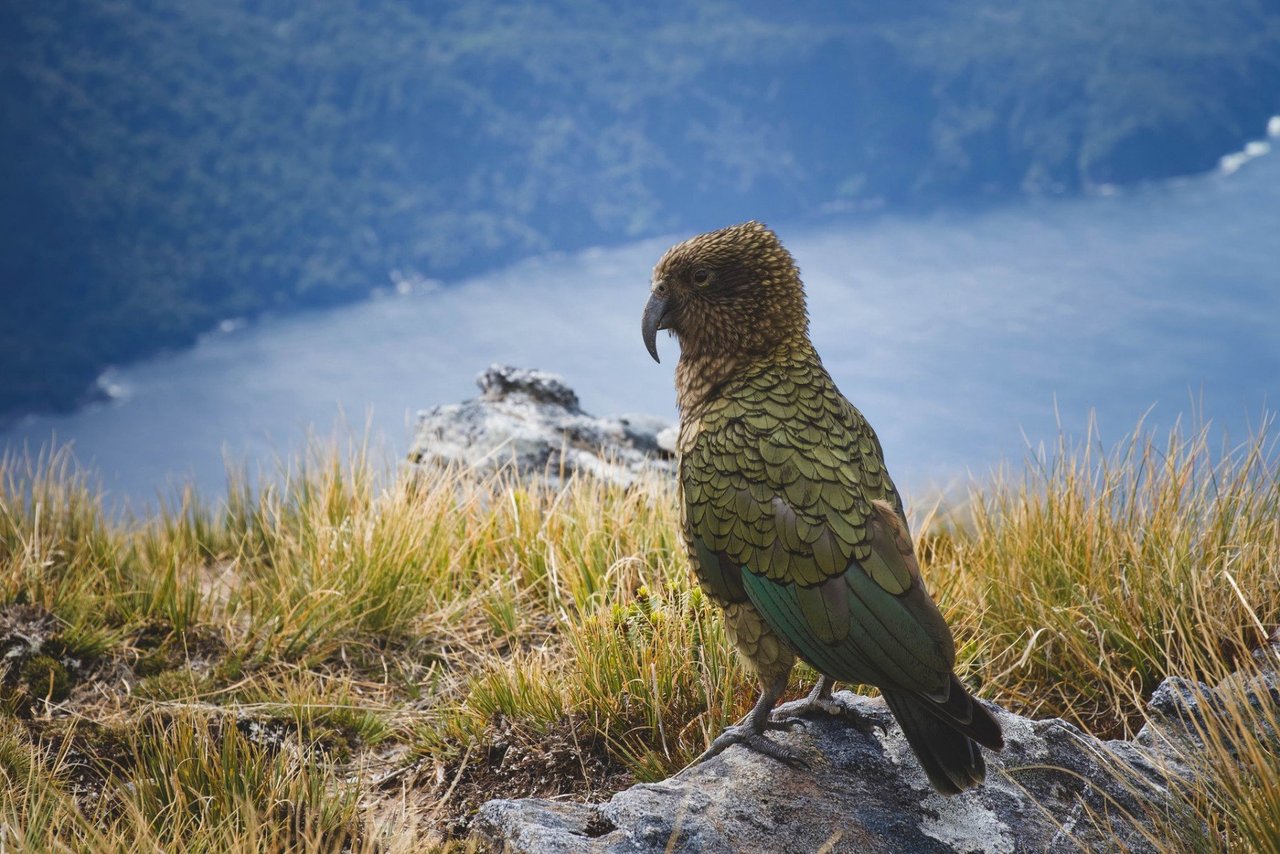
(167, 164)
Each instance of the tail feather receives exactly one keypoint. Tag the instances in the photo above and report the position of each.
(967, 715)
(947, 745)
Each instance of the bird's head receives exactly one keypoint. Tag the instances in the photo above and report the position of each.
(735, 291)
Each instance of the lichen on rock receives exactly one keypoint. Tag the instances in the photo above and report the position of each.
(1054, 788)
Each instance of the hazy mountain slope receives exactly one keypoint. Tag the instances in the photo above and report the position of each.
(167, 163)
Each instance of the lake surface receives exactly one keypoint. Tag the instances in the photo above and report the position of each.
(962, 336)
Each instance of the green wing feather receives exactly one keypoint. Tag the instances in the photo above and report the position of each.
(787, 504)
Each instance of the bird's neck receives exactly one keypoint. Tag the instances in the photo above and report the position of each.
(700, 376)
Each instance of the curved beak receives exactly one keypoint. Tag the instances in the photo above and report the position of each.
(655, 312)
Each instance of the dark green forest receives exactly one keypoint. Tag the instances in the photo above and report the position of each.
(169, 164)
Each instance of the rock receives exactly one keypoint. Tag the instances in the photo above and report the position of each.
(1048, 791)
(533, 420)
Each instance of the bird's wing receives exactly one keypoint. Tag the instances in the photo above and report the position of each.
(794, 497)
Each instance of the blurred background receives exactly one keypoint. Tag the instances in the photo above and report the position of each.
(227, 222)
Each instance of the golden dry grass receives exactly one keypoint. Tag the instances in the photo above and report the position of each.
(382, 651)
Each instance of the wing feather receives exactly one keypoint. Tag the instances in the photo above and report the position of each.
(801, 508)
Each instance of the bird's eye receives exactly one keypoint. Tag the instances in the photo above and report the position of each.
(701, 276)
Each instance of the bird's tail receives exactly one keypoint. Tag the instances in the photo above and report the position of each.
(945, 736)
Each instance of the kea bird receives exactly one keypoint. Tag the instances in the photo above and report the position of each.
(791, 521)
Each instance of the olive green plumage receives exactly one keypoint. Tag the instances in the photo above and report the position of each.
(792, 522)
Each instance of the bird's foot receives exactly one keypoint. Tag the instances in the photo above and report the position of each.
(752, 738)
(789, 714)
(812, 704)
(784, 723)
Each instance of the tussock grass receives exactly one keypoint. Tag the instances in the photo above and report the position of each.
(1091, 575)
(355, 657)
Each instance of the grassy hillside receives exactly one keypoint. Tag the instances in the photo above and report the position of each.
(360, 659)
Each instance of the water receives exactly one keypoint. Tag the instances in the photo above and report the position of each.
(961, 336)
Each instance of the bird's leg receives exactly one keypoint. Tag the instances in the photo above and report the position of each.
(749, 732)
(789, 714)
(819, 700)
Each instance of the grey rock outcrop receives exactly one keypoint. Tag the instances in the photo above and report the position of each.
(531, 419)
(1053, 789)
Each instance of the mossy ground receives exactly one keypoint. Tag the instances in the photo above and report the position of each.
(356, 658)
